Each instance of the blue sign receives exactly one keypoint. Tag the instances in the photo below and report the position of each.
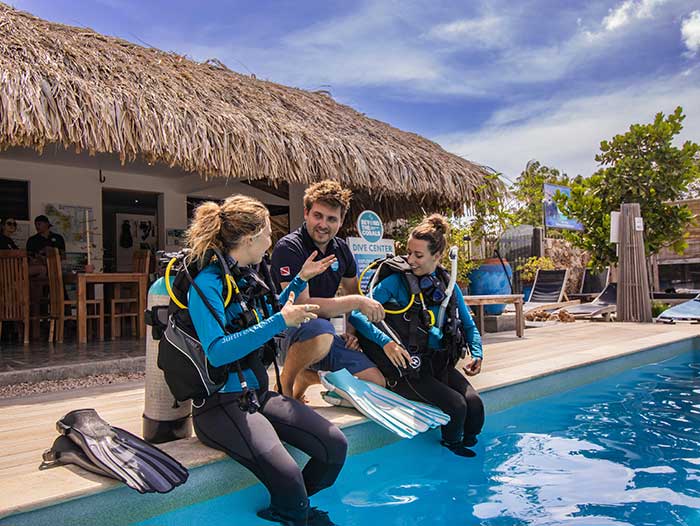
(553, 218)
(369, 226)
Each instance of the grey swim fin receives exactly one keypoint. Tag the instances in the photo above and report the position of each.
(65, 451)
(118, 453)
(390, 410)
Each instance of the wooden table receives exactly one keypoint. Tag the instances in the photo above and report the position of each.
(496, 299)
(113, 277)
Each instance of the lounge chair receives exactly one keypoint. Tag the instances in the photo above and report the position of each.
(688, 311)
(592, 284)
(548, 292)
(603, 305)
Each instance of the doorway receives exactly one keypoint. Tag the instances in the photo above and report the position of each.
(129, 222)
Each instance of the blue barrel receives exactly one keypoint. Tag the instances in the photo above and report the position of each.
(491, 278)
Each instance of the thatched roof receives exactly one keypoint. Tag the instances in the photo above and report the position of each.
(89, 92)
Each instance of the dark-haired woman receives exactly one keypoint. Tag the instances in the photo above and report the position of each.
(9, 227)
(240, 229)
(433, 378)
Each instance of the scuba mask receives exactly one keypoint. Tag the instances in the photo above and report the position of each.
(432, 287)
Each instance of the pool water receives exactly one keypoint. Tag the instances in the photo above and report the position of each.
(621, 451)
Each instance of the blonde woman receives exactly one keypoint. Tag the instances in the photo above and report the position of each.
(251, 431)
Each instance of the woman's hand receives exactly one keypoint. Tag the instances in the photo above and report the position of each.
(473, 368)
(295, 315)
(397, 354)
(351, 342)
(310, 269)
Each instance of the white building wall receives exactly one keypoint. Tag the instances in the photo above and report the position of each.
(80, 186)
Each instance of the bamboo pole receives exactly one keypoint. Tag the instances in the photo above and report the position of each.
(633, 297)
(87, 233)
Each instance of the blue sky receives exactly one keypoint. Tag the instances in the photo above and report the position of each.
(498, 82)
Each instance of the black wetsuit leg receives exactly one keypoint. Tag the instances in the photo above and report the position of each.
(432, 391)
(254, 441)
(302, 427)
(475, 407)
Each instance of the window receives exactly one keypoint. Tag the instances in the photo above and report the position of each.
(14, 199)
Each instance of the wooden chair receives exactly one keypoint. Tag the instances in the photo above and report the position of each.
(125, 303)
(14, 289)
(59, 304)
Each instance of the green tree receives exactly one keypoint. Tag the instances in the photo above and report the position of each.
(640, 166)
(529, 193)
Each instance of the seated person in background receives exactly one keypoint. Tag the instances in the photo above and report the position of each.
(9, 227)
(315, 346)
(427, 373)
(43, 238)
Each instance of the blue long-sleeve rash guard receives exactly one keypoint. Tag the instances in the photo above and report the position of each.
(392, 289)
(222, 348)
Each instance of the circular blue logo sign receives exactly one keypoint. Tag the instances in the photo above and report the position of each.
(335, 266)
(370, 226)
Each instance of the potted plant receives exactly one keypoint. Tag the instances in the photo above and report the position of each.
(529, 269)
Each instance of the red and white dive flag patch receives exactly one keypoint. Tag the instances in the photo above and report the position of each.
(284, 271)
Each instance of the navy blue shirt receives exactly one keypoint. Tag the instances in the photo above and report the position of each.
(37, 243)
(293, 249)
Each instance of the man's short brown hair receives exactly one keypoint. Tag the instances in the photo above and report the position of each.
(329, 193)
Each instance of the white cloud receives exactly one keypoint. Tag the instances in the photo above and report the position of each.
(690, 30)
(628, 11)
(489, 32)
(568, 135)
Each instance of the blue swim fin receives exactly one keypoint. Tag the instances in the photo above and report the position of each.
(388, 409)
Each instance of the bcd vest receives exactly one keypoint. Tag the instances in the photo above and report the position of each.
(412, 326)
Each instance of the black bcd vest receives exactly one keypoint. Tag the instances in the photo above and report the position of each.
(412, 326)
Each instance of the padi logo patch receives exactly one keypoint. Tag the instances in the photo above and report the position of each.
(415, 362)
(335, 266)
(284, 271)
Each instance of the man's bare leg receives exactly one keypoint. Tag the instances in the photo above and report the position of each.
(373, 375)
(304, 380)
(299, 357)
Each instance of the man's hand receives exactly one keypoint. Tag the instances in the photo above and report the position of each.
(312, 268)
(473, 368)
(351, 342)
(372, 309)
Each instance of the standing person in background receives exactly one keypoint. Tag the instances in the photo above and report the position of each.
(44, 238)
(9, 227)
(315, 346)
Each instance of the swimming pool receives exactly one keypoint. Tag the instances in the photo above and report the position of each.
(620, 451)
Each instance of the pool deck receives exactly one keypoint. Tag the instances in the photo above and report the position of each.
(27, 426)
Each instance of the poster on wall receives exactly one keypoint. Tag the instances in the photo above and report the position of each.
(69, 221)
(134, 232)
(22, 234)
(175, 237)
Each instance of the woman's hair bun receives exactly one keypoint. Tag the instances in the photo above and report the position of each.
(439, 223)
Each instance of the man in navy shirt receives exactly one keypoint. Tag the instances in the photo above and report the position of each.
(315, 346)
(37, 244)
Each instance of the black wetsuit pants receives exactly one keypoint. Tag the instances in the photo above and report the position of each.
(255, 441)
(452, 393)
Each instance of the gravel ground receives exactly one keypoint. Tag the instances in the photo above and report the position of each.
(69, 384)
